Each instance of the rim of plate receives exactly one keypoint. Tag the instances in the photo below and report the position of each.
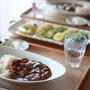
(40, 81)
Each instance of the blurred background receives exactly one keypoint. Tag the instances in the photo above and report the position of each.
(11, 10)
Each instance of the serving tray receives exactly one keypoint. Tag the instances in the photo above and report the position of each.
(70, 81)
(51, 15)
(14, 29)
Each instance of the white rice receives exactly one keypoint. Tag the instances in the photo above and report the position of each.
(4, 64)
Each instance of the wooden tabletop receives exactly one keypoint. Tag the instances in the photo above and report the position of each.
(53, 51)
(59, 19)
(71, 80)
(15, 15)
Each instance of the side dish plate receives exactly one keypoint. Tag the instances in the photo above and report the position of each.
(14, 29)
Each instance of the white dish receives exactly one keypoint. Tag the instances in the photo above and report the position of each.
(57, 69)
(14, 29)
(17, 44)
(69, 20)
(54, 2)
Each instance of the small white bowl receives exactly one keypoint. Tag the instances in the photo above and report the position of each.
(17, 44)
(69, 20)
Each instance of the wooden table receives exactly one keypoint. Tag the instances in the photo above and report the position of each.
(52, 51)
(54, 16)
(86, 83)
(71, 80)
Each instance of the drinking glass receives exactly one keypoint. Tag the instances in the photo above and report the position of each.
(74, 50)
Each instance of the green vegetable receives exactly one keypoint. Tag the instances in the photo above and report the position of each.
(60, 29)
(76, 38)
(50, 33)
(84, 34)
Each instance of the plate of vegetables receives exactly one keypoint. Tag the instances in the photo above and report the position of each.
(45, 31)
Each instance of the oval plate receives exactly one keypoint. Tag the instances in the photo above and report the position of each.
(57, 69)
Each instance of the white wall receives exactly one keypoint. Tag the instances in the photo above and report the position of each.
(11, 10)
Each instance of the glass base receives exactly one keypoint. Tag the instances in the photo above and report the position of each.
(73, 64)
(39, 16)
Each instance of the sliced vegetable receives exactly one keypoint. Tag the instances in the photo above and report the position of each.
(28, 29)
(60, 29)
(50, 33)
(59, 37)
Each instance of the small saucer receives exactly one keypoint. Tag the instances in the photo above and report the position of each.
(69, 20)
(17, 44)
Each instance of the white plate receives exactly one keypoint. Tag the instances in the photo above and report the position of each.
(23, 45)
(54, 2)
(14, 29)
(69, 20)
(57, 69)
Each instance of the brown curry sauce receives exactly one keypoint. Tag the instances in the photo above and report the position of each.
(27, 70)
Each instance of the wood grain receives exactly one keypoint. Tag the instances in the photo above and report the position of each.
(71, 80)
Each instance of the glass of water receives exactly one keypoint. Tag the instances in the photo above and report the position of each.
(74, 49)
